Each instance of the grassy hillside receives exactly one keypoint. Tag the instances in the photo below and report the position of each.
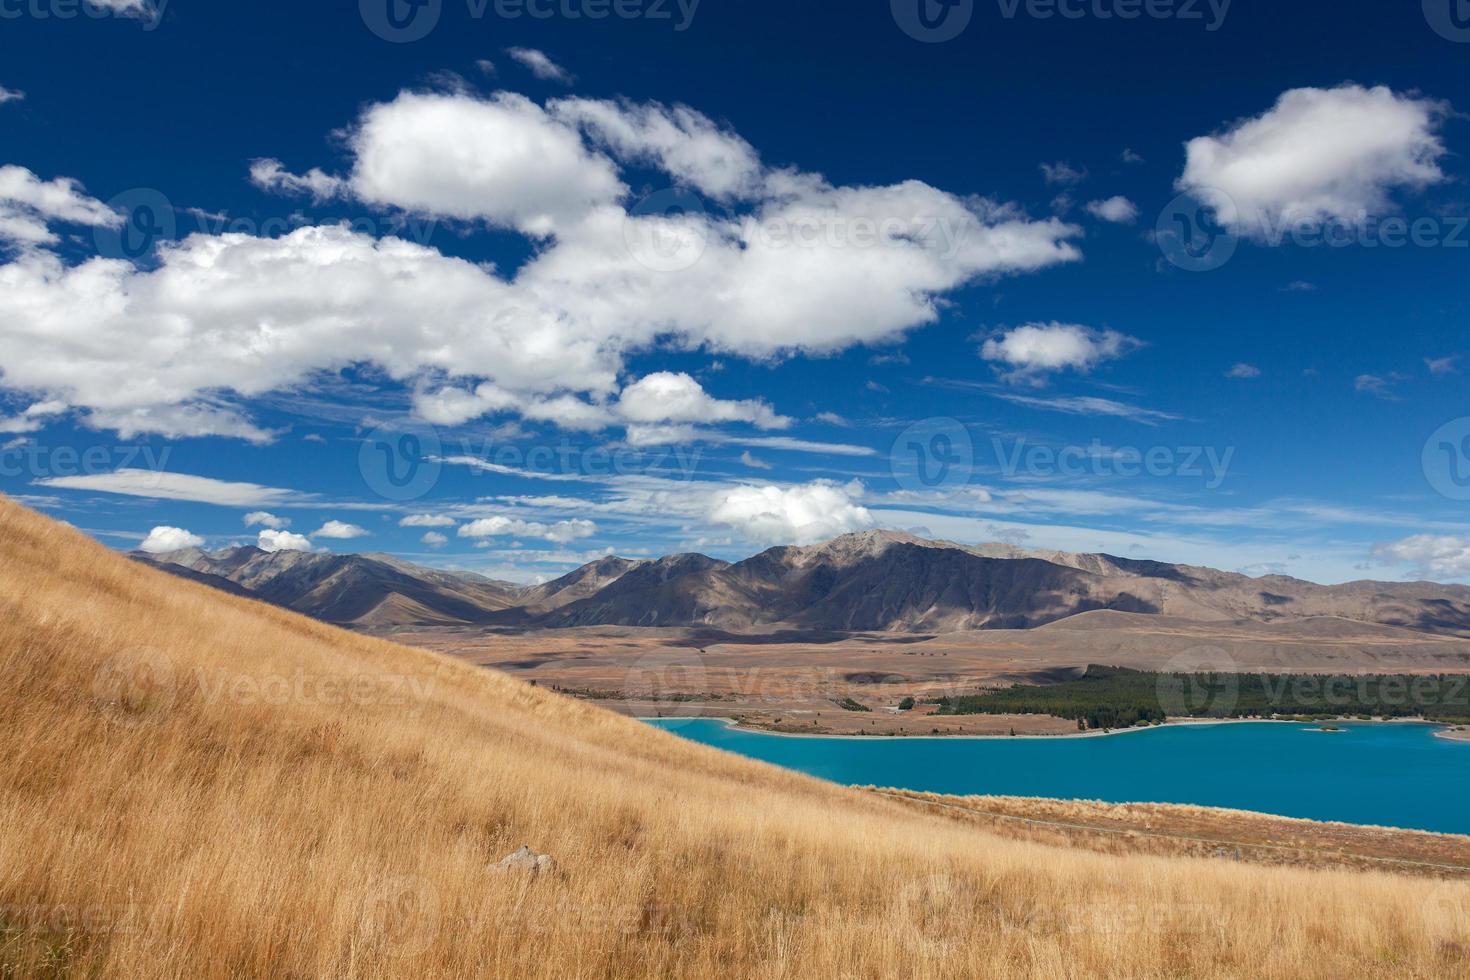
(194, 785)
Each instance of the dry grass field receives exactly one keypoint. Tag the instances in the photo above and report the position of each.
(196, 786)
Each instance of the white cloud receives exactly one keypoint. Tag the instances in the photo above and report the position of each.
(810, 269)
(1433, 556)
(791, 515)
(561, 532)
(260, 518)
(1243, 371)
(1118, 210)
(1090, 405)
(427, 520)
(1318, 155)
(271, 175)
(668, 397)
(177, 486)
(339, 531)
(683, 143)
(1442, 365)
(434, 539)
(540, 65)
(33, 418)
(28, 204)
(1062, 173)
(10, 95)
(1036, 349)
(162, 540)
(752, 462)
(273, 541)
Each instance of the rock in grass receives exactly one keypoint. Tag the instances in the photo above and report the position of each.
(525, 859)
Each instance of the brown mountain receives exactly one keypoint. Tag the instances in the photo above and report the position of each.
(874, 581)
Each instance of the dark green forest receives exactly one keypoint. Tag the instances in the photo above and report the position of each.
(1115, 697)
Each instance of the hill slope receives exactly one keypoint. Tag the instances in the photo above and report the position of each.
(198, 785)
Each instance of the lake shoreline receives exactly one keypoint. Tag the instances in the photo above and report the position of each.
(1447, 731)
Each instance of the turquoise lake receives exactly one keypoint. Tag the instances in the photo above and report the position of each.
(1389, 775)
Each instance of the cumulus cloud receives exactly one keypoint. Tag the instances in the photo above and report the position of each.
(1318, 155)
(791, 515)
(10, 95)
(1243, 371)
(162, 540)
(434, 539)
(28, 204)
(561, 532)
(340, 531)
(273, 541)
(246, 316)
(540, 65)
(1118, 210)
(260, 518)
(1433, 556)
(427, 520)
(683, 143)
(1035, 350)
(668, 397)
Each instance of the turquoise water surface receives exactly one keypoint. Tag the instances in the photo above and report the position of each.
(1390, 775)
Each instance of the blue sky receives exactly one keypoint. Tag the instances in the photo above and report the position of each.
(511, 292)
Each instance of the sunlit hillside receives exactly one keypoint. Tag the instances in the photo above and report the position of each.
(196, 785)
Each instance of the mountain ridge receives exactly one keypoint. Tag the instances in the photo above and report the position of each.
(873, 581)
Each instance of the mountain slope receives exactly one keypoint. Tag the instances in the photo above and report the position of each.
(196, 785)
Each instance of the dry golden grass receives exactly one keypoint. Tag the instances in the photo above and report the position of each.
(181, 797)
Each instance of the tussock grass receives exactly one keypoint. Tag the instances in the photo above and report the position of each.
(193, 785)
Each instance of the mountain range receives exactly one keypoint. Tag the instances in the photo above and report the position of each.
(875, 581)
